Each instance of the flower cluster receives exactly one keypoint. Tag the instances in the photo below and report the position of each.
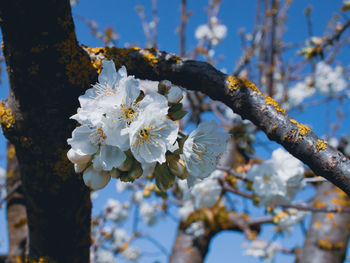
(214, 32)
(204, 193)
(278, 180)
(125, 133)
(260, 248)
(329, 81)
(286, 220)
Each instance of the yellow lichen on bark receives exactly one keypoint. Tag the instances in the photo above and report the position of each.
(10, 173)
(234, 83)
(7, 118)
(77, 65)
(63, 166)
(326, 244)
(320, 145)
(26, 259)
(303, 130)
(150, 57)
(271, 101)
(11, 152)
(341, 200)
(318, 224)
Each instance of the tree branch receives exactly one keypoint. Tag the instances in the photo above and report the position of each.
(328, 235)
(243, 98)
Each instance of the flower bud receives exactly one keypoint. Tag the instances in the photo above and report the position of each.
(127, 164)
(175, 94)
(78, 157)
(79, 167)
(164, 87)
(177, 166)
(164, 178)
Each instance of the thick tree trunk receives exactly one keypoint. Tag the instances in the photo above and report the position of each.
(188, 249)
(15, 210)
(47, 71)
(328, 234)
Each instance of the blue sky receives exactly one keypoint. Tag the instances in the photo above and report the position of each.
(234, 14)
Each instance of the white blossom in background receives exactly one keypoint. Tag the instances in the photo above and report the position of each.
(214, 32)
(73, 2)
(93, 195)
(137, 197)
(333, 142)
(206, 193)
(122, 186)
(3, 191)
(104, 256)
(186, 209)
(148, 213)
(260, 248)
(196, 229)
(202, 148)
(287, 220)
(298, 93)
(131, 253)
(119, 238)
(116, 211)
(278, 180)
(329, 81)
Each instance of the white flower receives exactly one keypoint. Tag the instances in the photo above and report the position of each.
(261, 248)
(202, 148)
(148, 213)
(186, 209)
(206, 193)
(3, 191)
(333, 142)
(290, 218)
(93, 195)
(137, 197)
(104, 256)
(151, 136)
(278, 180)
(120, 237)
(116, 211)
(109, 80)
(148, 86)
(122, 186)
(329, 81)
(202, 32)
(195, 229)
(131, 253)
(215, 33)
(88, 140)
(298, 93)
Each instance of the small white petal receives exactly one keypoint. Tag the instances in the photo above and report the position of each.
(108, 158)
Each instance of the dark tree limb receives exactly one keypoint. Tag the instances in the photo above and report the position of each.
(47, 72)
(328, 235)
(242, 97)
(191, 249)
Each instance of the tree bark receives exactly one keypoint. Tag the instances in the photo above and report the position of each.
(328, 233)
(15, 211)
(188, 249)
(47, 72)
